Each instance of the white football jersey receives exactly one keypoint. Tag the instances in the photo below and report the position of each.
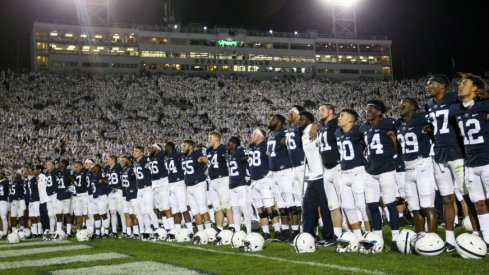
(314, 165)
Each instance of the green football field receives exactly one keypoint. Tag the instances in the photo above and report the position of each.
(111, 256)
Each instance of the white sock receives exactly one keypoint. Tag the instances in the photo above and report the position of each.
(237, 218)
(484, 225)
(128, 230)
(395, 234)
(200, 227)
(135, 228)
(207, 225)
(34, 229)
(171, 223)
(265, 229)
(123, 222)
(450, 237)
(358, 233)
(456, 220)
(164, 223)
(212, 214)
(39, 228)
(337, 231)
(285, 227)
(295, 227)
(52, 223)
(106, 224)
(147, 221)
(97, 227)
(247, 218)
(154, 219)
(59, 226)
(68, 228)
(178, 226)
(386, 213)
(113, 221)
(276, 227)
(189, 226)
(379, 233)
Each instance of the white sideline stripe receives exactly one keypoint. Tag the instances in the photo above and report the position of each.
(332, 266)
(61, 260)
(13, 245)
(31, 251)
(146, 268)
(26, 240)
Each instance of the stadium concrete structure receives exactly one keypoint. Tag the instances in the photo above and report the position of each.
(197, 49)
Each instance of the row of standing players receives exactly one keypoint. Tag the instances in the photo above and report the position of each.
(350, 169)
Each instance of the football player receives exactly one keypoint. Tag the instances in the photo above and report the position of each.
(261, 188)
(193, 165)
(17, 202)
(237, 162)
(449, 163)
(34, 210)
(296, 155)
(177, 188)
(281, 173)
(80, 198)
(315, 195)
(382, 146)
(472, 117)
(160, 185)
(131, 205)
(219, 180)
(142, 168)
(100, 189)
(4, 190)
(353, 175)
(50, 180)
(90, 220)
(113, 172)
(330, 156)
(64, 179)
(419, 182)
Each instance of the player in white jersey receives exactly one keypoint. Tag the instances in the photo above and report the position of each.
(315, 195)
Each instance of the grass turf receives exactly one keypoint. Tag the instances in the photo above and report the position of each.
(276, 258)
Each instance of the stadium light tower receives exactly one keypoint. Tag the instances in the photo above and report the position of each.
(344, 18)
(90, 12)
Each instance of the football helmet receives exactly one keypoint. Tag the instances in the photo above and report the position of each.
(13, 238)
(182, 235)
(237, 239)
(47, 235)
(160, 234)
(347, 242)
(59, 235)
(429, 244)
(371, 243)
(403, 241)
(253, 242)
(21, 235)
(470, 246)
(82, 235)
(27, 233)
(148, 234)
(467, 224)
(224, 237)
(200, 238)
(304, 243)
(212, 233)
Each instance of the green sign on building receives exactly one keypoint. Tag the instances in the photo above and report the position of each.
(227, 43)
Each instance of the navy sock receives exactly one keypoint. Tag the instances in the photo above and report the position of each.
(393, 215)
(375, 216)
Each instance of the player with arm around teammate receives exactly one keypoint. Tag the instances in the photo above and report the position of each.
(113, 172)
(160, 185)
(419, 182)
(4, 205)
(130, 191)
(177, 187)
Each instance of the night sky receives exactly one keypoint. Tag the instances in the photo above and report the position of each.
(426, 34)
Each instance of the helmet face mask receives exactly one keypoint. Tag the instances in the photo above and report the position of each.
(252, 242)
(371, 243)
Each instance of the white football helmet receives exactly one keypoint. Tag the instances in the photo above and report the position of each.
(21, 235)
(13, 238)
(371, 243)
(170, 237)
(347, 242)
(403, 242)
(212, 233)
(304, 243)
(183, 235)
(429, 244)
(27, 233)
(237, 239)
(200, 238)
(82, 235)
(467, 224)
(253, 242)
(470, 246)
(59, 235)
(224, 237)
(160, 234)
(47, 235)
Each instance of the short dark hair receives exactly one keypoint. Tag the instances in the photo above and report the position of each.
(189, 142)
(280, 117)
(140, 148)
(378, 104)
(300, 108)
(171, 144)
(328, 106)
(352, 113)
(480, 83)
(113, 157)
(308, 115)
(412, 101)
